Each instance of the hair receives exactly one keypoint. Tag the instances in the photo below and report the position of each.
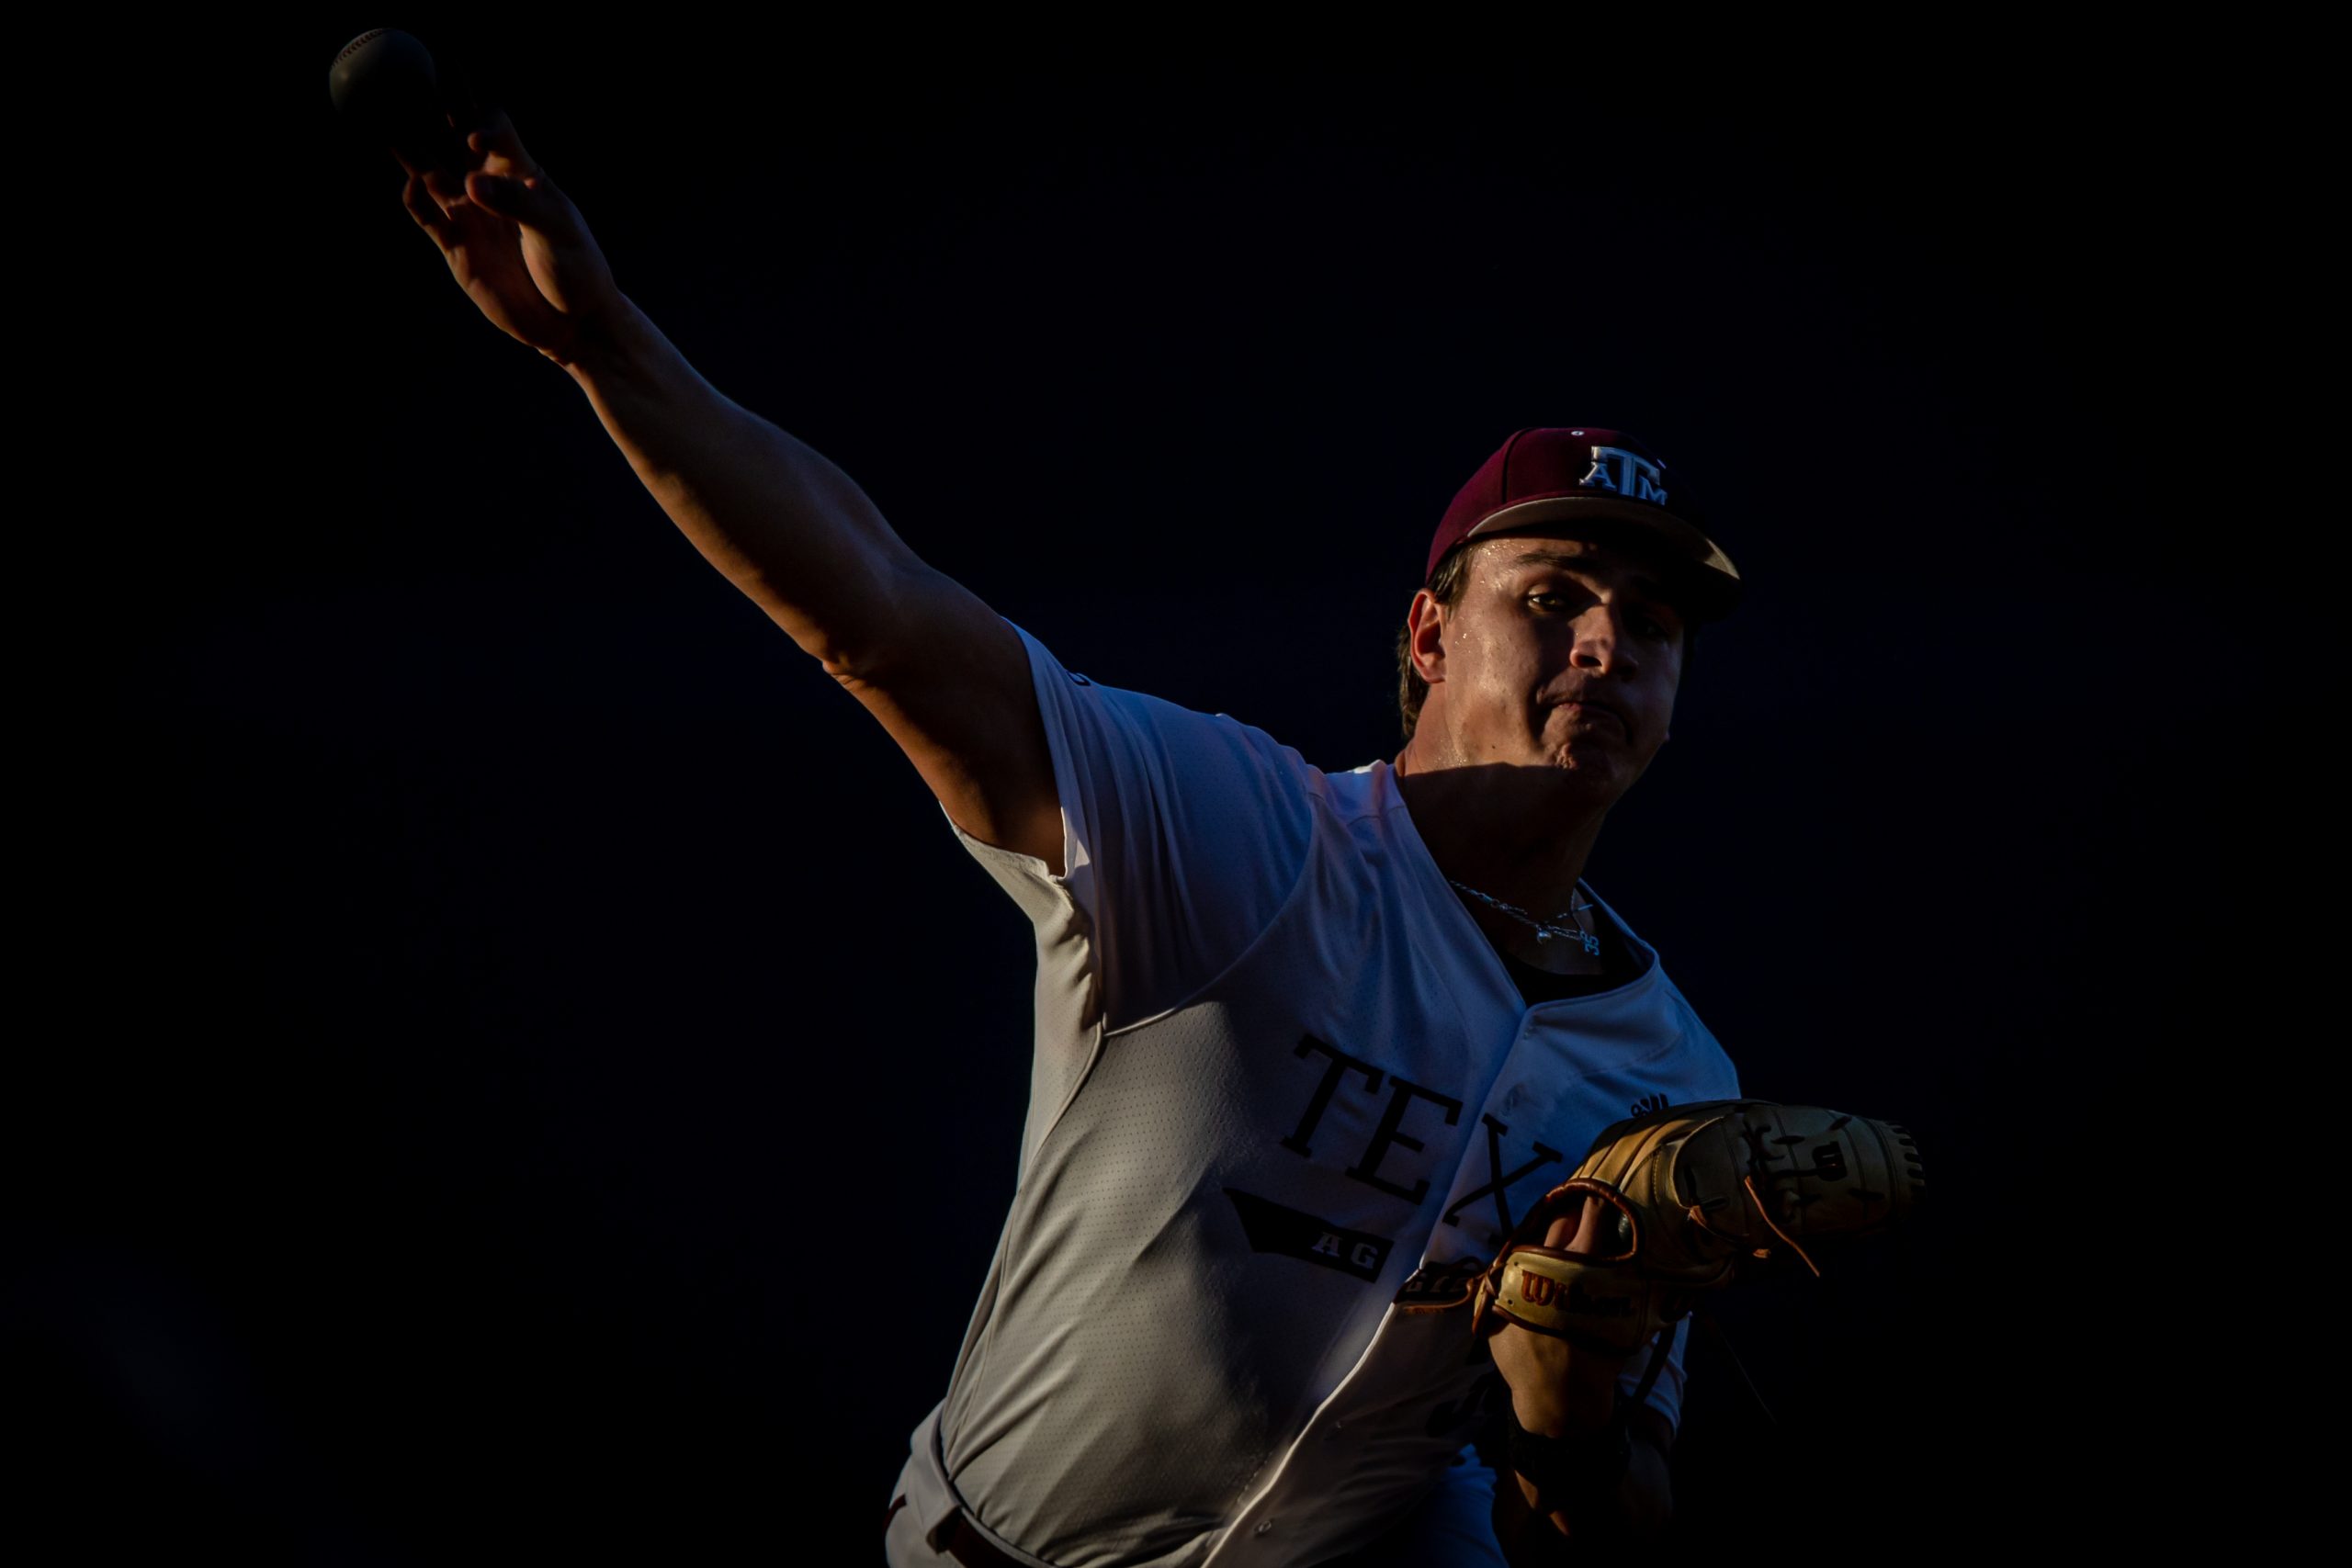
(1446, 584)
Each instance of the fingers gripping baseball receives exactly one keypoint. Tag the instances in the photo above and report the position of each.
(495, 139)
(508, 182)
(514, 241)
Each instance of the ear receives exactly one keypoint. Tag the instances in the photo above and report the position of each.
(1425, 636)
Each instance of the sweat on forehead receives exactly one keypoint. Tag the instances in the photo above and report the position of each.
(1534, 552)
(1651, 570)
(1651, 565)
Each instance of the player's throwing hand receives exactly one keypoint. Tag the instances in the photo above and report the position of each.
(514, 241)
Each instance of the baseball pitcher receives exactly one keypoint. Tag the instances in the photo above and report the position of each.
(1360, 1125)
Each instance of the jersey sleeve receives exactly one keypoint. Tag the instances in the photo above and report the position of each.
(1182, 833)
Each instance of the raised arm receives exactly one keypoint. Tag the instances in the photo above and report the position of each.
(945, 675)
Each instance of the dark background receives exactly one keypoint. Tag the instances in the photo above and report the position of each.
(535, 1077)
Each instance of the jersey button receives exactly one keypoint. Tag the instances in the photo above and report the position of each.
(1264, 1526)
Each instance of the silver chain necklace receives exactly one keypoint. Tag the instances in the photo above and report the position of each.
(1544, 930)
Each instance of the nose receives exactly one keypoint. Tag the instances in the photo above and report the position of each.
(1601, 645)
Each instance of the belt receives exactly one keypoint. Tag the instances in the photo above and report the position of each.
(964, 1543)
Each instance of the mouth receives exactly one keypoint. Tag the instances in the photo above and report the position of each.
(1590, 711)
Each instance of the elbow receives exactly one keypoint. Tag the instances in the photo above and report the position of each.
(875, 624)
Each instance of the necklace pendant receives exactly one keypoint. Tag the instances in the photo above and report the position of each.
(1591, 943)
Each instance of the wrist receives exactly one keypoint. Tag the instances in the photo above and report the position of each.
(1543, 1413)
(1560, 1392)
(616, 344)
(1577, 1480)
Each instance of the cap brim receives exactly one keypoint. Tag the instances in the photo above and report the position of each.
(1710, 583)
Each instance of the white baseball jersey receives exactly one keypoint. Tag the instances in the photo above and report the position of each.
(1278, 1069)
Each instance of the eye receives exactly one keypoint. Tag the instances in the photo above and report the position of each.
(1652, 620)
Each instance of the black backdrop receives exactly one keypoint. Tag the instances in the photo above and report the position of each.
(540, 1078)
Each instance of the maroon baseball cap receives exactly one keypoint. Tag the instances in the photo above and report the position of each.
(1603, 481)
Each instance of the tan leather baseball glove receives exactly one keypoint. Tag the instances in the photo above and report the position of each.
(1689, 1195)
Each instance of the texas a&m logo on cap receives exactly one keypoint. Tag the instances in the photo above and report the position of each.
(1628, 474)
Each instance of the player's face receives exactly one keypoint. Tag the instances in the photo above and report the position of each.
(1561, 653)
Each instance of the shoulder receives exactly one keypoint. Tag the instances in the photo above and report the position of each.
(1366, 796)
(1084, 701)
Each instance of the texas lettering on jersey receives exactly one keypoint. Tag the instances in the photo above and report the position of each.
(1312, 1240)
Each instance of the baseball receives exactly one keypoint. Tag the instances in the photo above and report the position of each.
(381, 73)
